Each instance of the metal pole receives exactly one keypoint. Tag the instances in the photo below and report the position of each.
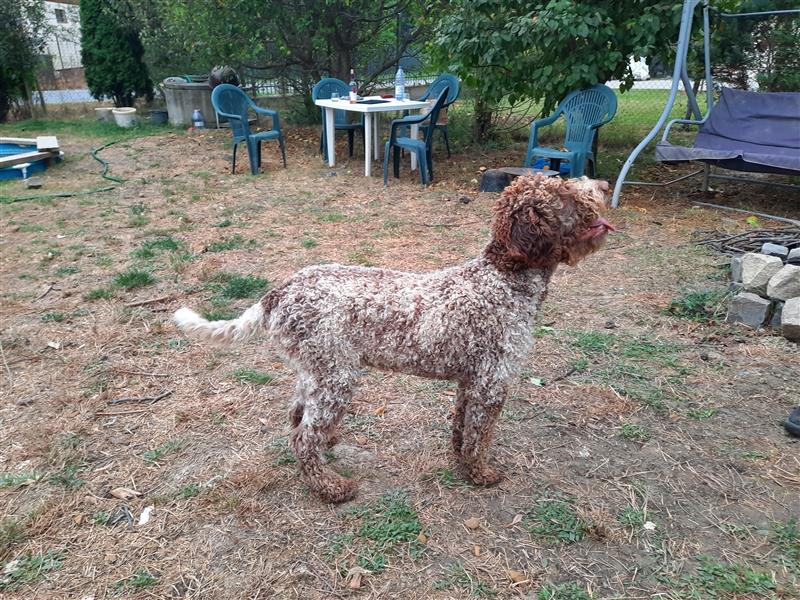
(680, 61)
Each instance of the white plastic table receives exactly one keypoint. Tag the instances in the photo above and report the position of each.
(370, 112)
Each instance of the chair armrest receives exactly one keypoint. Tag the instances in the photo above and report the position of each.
(228, 115)
(273, 114)
(533, 138)
(682, 121)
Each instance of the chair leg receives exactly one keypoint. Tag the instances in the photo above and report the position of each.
(446, 140)
(423, 168)
(386, 151)
(258, 153)
(591, 164)
(253, 156)
(283, 150)
(429, 166)
(350, 135)
(396, 159)
(233, 164)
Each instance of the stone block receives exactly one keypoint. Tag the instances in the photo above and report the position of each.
(757, 269)
(771, 249)
(785, 283)
(736, 269)
(775, 320)
(794, 257)
(790, 320)
(750, 309)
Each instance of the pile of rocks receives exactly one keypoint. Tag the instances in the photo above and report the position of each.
(768, 286)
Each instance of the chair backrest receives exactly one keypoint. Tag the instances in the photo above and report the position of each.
(584, 111)
(433, 116)
(445, 80)
(230, 99)
(322, 91)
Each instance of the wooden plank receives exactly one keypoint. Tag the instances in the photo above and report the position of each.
(16, 159)
(46, 142)
(19, 141)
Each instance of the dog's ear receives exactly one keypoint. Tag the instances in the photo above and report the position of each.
(535, 238)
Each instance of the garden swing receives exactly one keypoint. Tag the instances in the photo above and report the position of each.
(755, 132)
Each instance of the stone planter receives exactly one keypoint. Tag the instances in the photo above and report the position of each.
(104, 114)
(125, 116)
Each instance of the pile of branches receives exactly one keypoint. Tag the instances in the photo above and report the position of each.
(748, 241)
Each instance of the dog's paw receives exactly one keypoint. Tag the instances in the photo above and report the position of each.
(337, 489)
(485, 476)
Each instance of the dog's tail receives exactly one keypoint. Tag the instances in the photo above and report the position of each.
(234, 330)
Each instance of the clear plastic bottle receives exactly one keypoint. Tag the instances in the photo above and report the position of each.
(198, 122)
(353, 87)
(400, 84)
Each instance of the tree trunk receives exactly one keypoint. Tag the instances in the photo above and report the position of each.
(482, 126)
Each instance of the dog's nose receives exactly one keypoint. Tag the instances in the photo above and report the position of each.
(603, 186)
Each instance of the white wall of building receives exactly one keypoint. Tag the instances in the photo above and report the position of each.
(64, 41)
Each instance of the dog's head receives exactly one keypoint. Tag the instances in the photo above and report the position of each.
(543, 221)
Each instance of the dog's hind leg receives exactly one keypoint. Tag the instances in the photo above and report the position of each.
(458, 420)
(483, 405)
(324, 407)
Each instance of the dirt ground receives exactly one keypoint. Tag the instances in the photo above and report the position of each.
(643, 451)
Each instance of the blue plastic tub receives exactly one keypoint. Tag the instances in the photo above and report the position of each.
(541, 163)
(20, 171)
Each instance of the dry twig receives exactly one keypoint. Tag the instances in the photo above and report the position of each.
(150, 399)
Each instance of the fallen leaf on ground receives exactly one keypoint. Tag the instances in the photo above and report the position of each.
(422, 538)
(517, 518)
(472, 523)
(361, 440)
(124, 493)
(380, 411)
(476, 550)
(145, 516)
(354, 577)
(516, 576)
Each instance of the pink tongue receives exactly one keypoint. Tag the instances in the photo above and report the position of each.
(602, 222)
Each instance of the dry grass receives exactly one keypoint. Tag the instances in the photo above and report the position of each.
(233, 520)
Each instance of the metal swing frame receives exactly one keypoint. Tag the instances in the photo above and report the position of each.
(681, 75)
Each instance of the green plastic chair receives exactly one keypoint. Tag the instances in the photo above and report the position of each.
(322, 90)
(445, 80)
(422, 148)
(232, 103)
(585, 111)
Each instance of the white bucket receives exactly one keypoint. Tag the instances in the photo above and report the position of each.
(125, 116)
(104, 114)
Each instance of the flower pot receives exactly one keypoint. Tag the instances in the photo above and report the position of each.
(158, 116)
(125, 116)
(104, 114)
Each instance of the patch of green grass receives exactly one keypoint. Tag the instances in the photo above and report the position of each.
(140, 579)
(786, 536)
(553, 518)
(631, 517)
(64, 271)
(243, 286)
(53, 317)
(8, 480)
(333, 217)
(696, 306)
(30, 568)
(701, 413)
(634, 433)
(138, 221)
(754, 455)
(188, 491)
(363, 255)
(594, 341)
(133, 278)
(224, 223)
(285, 455)
(154, 455)
(30, 228)
(723, 580)
(99, 294)
(68, 477)
(99, 518)
(446, 478)
(252, 376)
(384, 524)
(309, 243)
(232, 243)
(149, 248)
(562, 591)
(457, 577)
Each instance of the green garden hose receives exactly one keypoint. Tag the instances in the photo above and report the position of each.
(104, 174)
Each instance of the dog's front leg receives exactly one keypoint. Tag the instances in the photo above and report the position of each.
(481, 404)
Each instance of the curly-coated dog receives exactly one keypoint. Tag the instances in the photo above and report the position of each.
(471, 324)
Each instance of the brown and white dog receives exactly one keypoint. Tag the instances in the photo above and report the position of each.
(471, 324)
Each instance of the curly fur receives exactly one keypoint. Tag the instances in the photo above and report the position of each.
(470, 324)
